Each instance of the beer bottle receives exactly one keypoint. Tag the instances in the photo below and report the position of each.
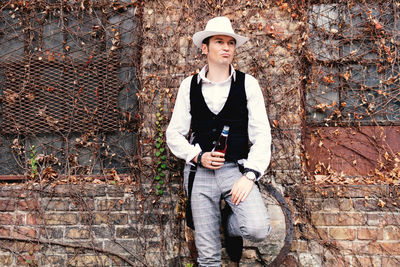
(221, 144)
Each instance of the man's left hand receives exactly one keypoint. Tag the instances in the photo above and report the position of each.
(241, 190)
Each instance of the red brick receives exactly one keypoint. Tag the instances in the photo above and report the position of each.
(52, 232)
(88, 260)
(126, 232)
(24, 232)
(64, 190)
(366, 190)
(338, 219)
(332, 261)
(330, 204)
(344, 245)
(5, 260)
(393, 218)
(34, 219)
(60, 219)
(7, 219)
(353, 247)
(77, 233)
(383, 218)
(367, 233)
(361, 247)
(83, 190)
(108, 204)
(370, 261)
(20, 219)
(108, 218)
(28, 205)
(5, 231)
(7, 205)
(313, 204)
(345, 204)
(322, 232)
(342, 233)
(52, 260)
(299, 246)
(391, 262)
(26, 260)
(88, 205)
(377, 219)
(115, 191)
(93, 190)
(12, 219)
(55, 204)
(366, 205)
(11, 191)
(385, 248)
(391, 233)
(25, 246)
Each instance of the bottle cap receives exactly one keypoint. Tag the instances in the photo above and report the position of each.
(225, 130)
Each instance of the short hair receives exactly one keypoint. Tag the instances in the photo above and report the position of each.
(206, 41)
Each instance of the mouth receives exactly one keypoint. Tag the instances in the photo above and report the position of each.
(225, 55)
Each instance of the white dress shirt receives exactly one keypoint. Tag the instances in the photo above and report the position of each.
(215, 95)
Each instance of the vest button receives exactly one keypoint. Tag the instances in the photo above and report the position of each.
(214, 142)
(214, 130)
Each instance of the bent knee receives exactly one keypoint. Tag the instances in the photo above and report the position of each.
(257, 234)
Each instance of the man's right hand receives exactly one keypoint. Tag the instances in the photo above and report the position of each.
(212, 160)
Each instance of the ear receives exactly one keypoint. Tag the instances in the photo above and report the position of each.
(204, 49)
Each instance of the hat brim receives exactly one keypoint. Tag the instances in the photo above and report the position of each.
(198, 37)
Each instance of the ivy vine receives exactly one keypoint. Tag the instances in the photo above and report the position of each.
(160, 153)
(32, 161)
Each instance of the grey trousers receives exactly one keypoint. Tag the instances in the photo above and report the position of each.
(250, 218)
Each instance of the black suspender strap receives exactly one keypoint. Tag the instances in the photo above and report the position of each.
(189, 217)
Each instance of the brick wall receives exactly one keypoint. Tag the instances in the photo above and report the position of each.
(91, 225)
(81, 226)
(349, 226)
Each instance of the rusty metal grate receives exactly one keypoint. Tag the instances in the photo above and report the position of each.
(68, 86)
(43, 94)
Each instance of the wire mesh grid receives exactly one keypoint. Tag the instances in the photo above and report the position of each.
(354, 65)
(67, 85)
(44, 95)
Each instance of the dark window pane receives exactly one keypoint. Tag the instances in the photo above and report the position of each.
(354, 70)
(68, 87)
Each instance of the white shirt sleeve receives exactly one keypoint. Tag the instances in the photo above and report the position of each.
(179, 125)
(258, 129)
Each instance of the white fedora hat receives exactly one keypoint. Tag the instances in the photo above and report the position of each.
(218, 26)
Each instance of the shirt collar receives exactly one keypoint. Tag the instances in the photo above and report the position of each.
(203, 72)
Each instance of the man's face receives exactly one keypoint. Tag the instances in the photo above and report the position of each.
(220, 50)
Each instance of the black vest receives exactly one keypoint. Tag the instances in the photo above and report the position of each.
(207, 126)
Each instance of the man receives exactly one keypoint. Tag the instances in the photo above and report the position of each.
(218, 96)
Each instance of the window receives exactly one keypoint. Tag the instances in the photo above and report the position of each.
(67, 87)
(352, 90)
(354, 64)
